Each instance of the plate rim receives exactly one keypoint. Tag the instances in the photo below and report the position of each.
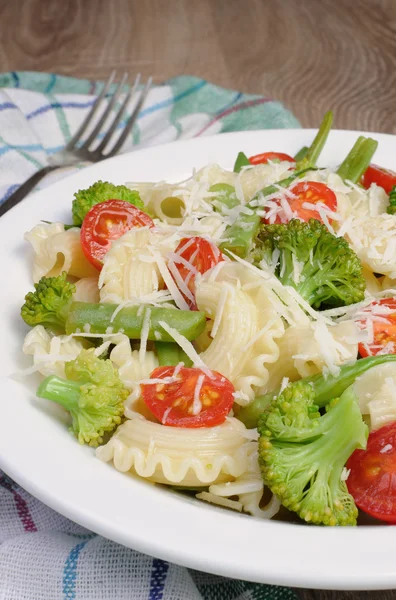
(382, 533)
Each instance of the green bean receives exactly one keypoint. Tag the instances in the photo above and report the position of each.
(241, 161)
(314, 150)
(358, 159)
(129, 320)
(170, 354)
(226, 196)
(301, 153)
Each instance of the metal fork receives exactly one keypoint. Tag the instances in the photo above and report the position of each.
(73, 152)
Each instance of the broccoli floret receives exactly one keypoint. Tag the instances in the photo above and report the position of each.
(48, 304)
(302, 454)
(321, 267)
(93, 394)
(391, 210)
(101, 191)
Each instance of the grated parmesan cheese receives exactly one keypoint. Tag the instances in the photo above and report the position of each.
(144, 335)
(197, 404)
(187, 347)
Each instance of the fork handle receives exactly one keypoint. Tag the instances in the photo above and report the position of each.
(24, 189)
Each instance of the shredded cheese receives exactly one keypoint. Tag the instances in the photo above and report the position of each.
(144, 335)
(197, 404)
(187, 347)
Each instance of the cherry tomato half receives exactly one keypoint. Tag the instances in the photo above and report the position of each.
(106, 222)
(306, 192)
(382, 314)
(262, 159)
(372, 480)
(196, 255)
(173, 403)
(385, 178)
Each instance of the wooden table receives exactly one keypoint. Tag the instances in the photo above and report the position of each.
(310, 54)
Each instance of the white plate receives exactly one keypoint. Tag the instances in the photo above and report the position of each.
(38, 452)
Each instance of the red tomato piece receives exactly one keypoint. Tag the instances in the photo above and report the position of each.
(384, 328)
(197, 255)
(306, 192)
(385, 178)
(262, 159)
(106, 222)
(372, 480)
(192, 399)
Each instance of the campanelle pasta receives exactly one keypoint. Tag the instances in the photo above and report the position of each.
(56, 250)
(189, 457)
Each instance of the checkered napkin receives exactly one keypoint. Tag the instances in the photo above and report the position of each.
(44, 556)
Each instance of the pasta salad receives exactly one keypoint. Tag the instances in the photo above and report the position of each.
(231, 335)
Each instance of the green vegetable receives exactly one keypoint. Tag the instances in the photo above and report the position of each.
(358, 159)
(325, 388)
(101, 191)
(241, 161)
(170, 354)
(391, 210)
(48, 305)
(129, 320)
(321, 267)
(312, 154)
(301, 153)
(67, 227)
(240, 236)
(93, 394)
(51, 305)
(302, 453)
(226, 198)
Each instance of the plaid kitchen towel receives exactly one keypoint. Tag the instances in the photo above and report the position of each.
(43, 555)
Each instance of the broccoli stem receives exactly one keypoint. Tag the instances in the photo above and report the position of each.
(311, 156)
(241, 161)
(62, 391)
(358, 159)
(250, 414)
(301, 153)
(129, 320)
(170, 355)
(333, 386)
(325, 388)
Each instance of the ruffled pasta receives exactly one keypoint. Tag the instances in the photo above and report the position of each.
(87, 290)
(382, 406)
(245, 327)
(133, 366)
(177, 455)
(50, 352)
(376, 391)
(301, 353)
(56, 250)
(374, 241)
(129, 269)
(249, 490)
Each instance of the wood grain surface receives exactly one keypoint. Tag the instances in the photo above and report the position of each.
(310, 54)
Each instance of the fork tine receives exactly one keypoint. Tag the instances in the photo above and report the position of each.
(132, 119)
(91, 113)
(119, 115)
(106, 113)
